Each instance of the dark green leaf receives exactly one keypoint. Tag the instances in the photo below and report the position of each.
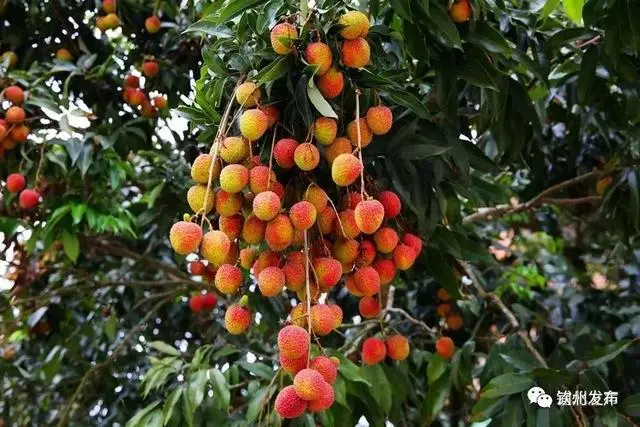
(506, 384)
(607, 353)
(408, 100)
(631, 405)
(488, 37)
(573, 8)
(165, 348)
(513, 415)
(257, 369)
(71, 245)
(587, 74)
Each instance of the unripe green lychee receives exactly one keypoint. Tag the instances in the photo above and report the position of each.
(306, 156)
(228, 279)
(331, 83)
(215, 247)
(271, 281)
(282, 38)
(325, 130)
(320, 55)
(283, 152)
(373, 351)
(303, 215)
(253, 124)
(185, 237)
(365, 133)
(379, 119)
(266, 205)
(234, 149)
(279, 233)
(228, 204)
(355, 24)
(340, 145)
(369, 216)
(346, 169)
(248, 94)
(234, 178)
(198, 195)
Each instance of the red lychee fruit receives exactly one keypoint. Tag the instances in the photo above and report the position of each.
(379, 119)
(228, 279)
(397, 347)
(386, 239)
(271, 282)
(386, 270)
(369, 307)
(266, 205)
(185, 237)
(445, 347)
(331, 83)
(283, 152)
(369, 215)
(16, 183)
(345, 169)
(309, 384)
(279, 233)
(237, 319)
(328, 271)
(356, 53)
(306, 156)
(325, 367)
(391, 203)
(293, 342)
(373, 351)
(320, 55)
(404, 256)
(367, 280)
(283, 37)
(215, 247)
(288, 405)
(303, 215)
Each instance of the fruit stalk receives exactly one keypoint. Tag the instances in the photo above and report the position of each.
(308, 289)
(359, 143)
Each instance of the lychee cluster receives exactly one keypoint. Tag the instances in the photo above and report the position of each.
(27, 198)
(447, 310)
(13, 127)
(110, 20)
(138, 97)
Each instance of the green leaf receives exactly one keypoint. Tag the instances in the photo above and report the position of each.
(170, 404)
(71, 245)
(165, 348)
(111, 326)
(408, 100)
(277, 69)
(235, 8)
(513, 415)
(587, 74)
(484, 408)
(319, 102)
(631, 405)
(422, 151)
(488, 37)
(258, 369)
(214, 63)
(210, 26)
(380, 389)
(436, 367)
(437, 394)
(220, 386)
(568, 35)
(506, 384)
(438, 19)
(573, 8)
(138, 417)
(257, 401)
(549, 7)
(350, 371)
(196, 388)
(602, 355)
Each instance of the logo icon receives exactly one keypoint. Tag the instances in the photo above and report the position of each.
(540, 397)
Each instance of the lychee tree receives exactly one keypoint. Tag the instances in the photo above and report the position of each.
(393, 211)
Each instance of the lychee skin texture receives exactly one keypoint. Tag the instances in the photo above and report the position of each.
(373, 351)
(303, 215)
(413, 241)
(369, 216)
(309, 384)
(356, 53)
(327, 220)
(293, 366)
(306, 156)
(346, 169)
(15, 94)
(460, 11)
(237, 319)
(326, 367)
(228, 279)
(355, 24)
(365, 133)
(266, 205)
(231, 225)
(317, 197)
(272, 113)
(209, 301)
(369, 307)
(234, 149)
(380, 119)
(337, 314)
(445, 347)
(279, 233)
(282, 38)
(267, 258)
(20, 133)
(340, 145)
(185, 237)
(403, 257)
(386, 270)
(248, 94)
(234, 178)
(325, 130)
(319, 54)
(197, 268)
(294, 275)
(246, 257)
(331, 84)
(324, 402)
(215, 247)
(152, 24)
(367, 280)
(288, 405)
(352, 199)
(391, 203)
(366, 254)
(322, 319)
(271, 282)
(397, 347)
(347, 226)
(196, 198)
(14, 114)
(386, 239)
(328, 271)
(228, 204)
(293, 342)
(132, 81)
(345, 250)
(283, 152)
(253, 124)
(253, 230)
(15, 183)
(350, 284)
(259, 178)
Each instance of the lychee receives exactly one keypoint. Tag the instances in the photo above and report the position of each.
(279, 233)
(14, 94)
(325, 130)
(445, 347)
(294, 273)
(237, 319)
(266, 205)
(197, 268)
(337, 315)
(131, 81)
(347, 226)
(283, 152)
(215, 247)
(320, 55)
(386, 270)
(413, 241)
(454, 322)
(160, 102)
(293, 342)
(386, 239)
(14, 114)
(369, 307)
(198, 195)
(369, 215)
(365, 133)
(234, 149)
(246, 257)
(185, 237)
(248, 94)
(340, 145)
(460, 11)
(352, 200)
(63, 54)
(293, 366)
(231, 225)
(20, 133)
(152, 24)
(253, 230)
(391, 203)
(367, 280)
(271, 281)
(282, 38)
(288, 405)
(234, 178)
(259, 179)
(272, 113)
(366, 254)
(16, 183)
(322, 321)
(324, 402)
(346, 169)
(355, 53)
(443, 309)
(253, 124)
(209, 301)
(317, 197)
(28, 199)
(354, 24)
(379, 119)
(327, 220)
(299, 315)
(397, 347)
(109, 6)
(443, 295)
(306, 156)
(228, 279)
(228, 204)
(327, 270)
(150, 68)
(346, 250)
(404, 256)
(303, 215)
(373, 351)
(196, 303)
(331, 83)
(325, 367)
(350, 284)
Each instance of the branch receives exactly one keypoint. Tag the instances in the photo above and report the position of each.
(64, 417)
(542, 198)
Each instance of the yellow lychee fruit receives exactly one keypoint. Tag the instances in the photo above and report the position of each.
(282, 38)
(253, 124)
(185, 237)
(234, 178)
(341, 145)
(248, 94)
(346, 169)
(325, 130)
(234, 149)
(196, 198)
(319, 54)
(317, 196)
(201, 166)
(215, 247)
(355, 24)
(355, 53)
(379, 119)
(331, 83)
(306, 156)
(365, 133)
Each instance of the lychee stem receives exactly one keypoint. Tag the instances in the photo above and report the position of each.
(338, 218)
(308, 287)
(359, 142)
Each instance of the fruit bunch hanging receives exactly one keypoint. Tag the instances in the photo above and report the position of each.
(138, 97)
(290, 204)
(13, 129)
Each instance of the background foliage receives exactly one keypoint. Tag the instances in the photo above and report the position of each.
(505, 128)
